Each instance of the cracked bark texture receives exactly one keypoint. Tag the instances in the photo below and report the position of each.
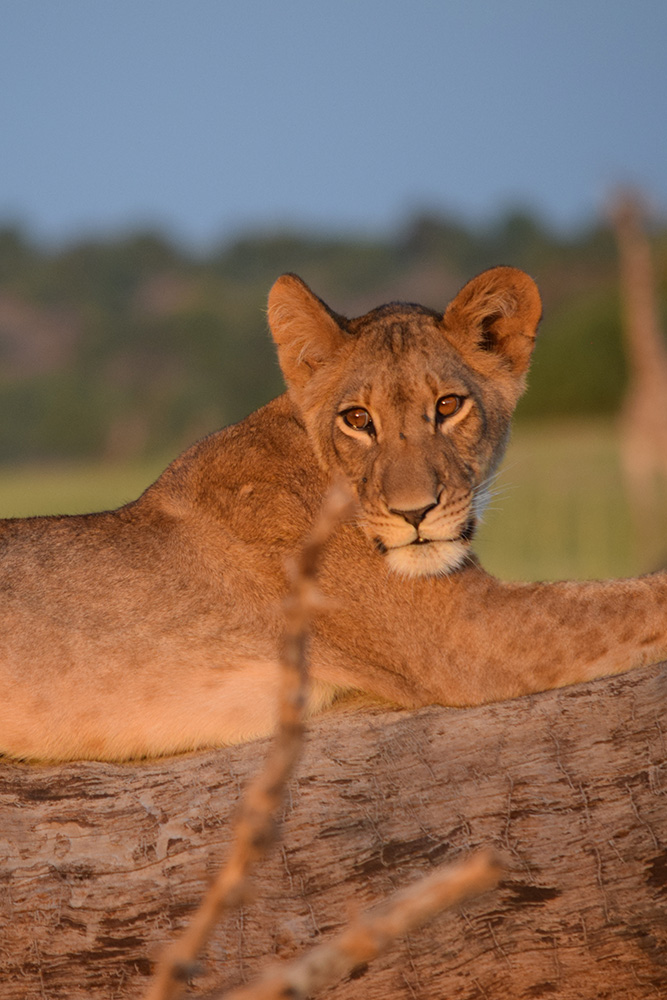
(100, 864)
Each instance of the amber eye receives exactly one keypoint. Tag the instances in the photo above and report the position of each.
(447, 406)
(358, 418)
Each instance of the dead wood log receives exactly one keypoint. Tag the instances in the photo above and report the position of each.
(100, 864)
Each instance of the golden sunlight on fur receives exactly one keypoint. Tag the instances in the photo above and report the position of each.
(155, 628)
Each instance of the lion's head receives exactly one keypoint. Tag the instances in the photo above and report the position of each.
(411, 405)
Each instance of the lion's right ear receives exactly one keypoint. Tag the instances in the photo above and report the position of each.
(496, 315)
(306, 332)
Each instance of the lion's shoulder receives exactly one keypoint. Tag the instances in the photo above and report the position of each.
(258, 479)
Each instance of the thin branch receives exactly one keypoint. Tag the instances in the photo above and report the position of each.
(375, 931)
(256, 828)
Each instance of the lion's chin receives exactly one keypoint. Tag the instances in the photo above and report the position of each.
(428, 559)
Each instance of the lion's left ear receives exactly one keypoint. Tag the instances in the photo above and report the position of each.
(497, 313)
(306, 332)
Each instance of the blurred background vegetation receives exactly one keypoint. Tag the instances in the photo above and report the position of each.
(116, 353)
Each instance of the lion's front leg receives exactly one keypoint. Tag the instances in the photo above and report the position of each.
(470, 639)
(533, 637)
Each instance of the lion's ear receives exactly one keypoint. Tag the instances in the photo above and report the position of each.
(497, 313)
(306, 332)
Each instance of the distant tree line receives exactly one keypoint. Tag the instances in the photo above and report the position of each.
(129, 346)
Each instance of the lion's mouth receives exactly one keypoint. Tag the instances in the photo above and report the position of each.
(435, 541)
(437, 544)
(464, 536)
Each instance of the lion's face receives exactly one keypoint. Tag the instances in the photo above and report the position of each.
(412, 407)
(408, 427)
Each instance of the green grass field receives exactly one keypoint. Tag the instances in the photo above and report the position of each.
(559, 508)
(562, 510)
(72, 489)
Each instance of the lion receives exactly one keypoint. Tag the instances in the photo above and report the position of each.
(155, 628)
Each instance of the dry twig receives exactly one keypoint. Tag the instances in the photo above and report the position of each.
(371, 934)
(256, 828)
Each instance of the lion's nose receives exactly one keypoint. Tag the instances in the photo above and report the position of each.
(415, 517)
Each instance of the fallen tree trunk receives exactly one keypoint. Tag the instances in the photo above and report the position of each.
(101, 864)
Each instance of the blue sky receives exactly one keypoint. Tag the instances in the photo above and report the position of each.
(206, 116)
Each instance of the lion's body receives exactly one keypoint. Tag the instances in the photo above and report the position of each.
(156, 628)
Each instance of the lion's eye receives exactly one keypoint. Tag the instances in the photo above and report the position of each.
(358, 418)
(447, 406)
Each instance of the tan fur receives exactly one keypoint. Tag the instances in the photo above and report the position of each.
(155, 628)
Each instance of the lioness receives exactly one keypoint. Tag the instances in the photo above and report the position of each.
(155, 628)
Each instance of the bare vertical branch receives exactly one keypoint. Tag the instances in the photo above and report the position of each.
(256, 828)
(643, 419)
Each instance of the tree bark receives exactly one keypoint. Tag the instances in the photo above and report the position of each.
(100, 864)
